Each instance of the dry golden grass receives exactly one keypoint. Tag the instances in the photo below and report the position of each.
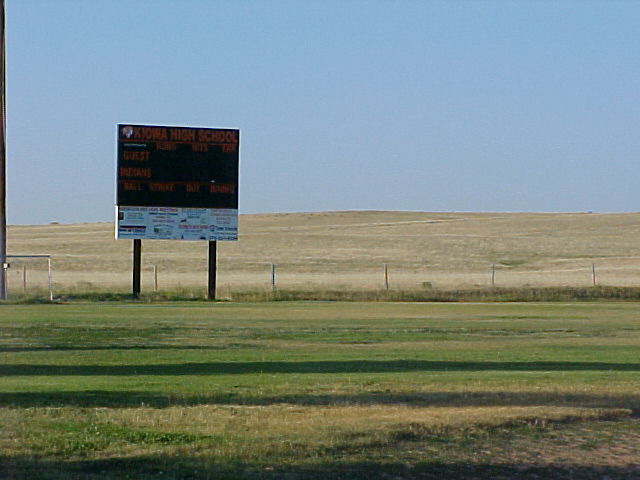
(253, 432)
(349, 249)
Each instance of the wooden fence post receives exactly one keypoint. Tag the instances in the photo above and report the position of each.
(386, 277)
(155, 278)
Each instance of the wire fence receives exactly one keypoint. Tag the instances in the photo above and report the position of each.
(29, 274)
(39, 276)
(388, 276)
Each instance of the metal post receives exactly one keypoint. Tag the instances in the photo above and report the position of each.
(3, 159)
(493, 275)
(137, 256)
(24, 278)
(211, 288)
(593, 273)
(50, 279)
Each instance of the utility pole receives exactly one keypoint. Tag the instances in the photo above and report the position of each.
(3, 160)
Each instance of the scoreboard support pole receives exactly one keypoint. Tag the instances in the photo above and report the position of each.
(137, 255)
(213, 264)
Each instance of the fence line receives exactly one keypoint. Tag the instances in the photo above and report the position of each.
(11, 258)
(31, 277)
(494, 278)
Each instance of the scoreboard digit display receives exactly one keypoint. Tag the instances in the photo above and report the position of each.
(177, 183)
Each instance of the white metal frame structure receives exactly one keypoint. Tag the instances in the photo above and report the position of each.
(50, 275)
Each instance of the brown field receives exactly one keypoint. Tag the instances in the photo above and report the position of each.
(349, 249)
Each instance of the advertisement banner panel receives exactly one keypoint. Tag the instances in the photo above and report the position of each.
(174, 223)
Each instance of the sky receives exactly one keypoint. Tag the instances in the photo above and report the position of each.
(342, 104)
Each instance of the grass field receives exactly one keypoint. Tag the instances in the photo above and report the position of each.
(320, 390)
(347, 250)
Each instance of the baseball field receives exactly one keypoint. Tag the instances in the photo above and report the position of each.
(303, 390)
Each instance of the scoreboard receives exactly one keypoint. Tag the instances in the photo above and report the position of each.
(177, 183)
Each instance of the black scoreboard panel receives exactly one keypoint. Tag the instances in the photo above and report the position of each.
(165, 166)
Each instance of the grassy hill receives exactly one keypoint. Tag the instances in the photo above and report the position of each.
(348, 250)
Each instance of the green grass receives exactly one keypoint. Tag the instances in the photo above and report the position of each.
(345, 294)
(319, 390)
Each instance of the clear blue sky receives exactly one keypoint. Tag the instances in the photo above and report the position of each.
(394, 105)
